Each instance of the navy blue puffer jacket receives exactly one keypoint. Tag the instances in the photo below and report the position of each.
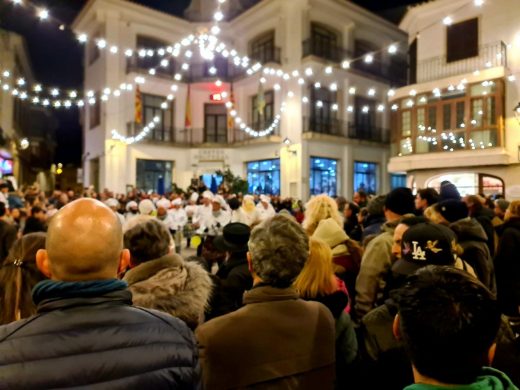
(98, 343)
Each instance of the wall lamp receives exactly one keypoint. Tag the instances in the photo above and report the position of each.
(517, 112)
(288, 145)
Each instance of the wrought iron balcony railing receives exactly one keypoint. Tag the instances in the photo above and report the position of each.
(489, 55)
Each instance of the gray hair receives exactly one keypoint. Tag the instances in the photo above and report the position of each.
(147, 240)
(279, 248)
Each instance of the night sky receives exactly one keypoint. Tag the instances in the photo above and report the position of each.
(57, 57)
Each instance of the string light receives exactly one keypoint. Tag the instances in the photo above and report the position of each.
(43, 14)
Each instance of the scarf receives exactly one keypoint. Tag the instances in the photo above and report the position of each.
(53, 289)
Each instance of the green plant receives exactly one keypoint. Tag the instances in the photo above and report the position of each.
(235, 183)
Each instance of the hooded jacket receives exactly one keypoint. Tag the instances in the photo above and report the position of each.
(346, 254)
(473, 239)
(490, 379)
(171, 285)
(508, 266)
(374, 271)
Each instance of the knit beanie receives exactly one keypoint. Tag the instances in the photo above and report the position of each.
(400, 201)
(452, 210)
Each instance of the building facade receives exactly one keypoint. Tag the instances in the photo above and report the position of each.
(456, 120)
(27, 142)
(332, 139)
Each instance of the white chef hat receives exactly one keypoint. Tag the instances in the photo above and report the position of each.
(265, 198)
(207, 195)
(164, 203)
(112, 202)
(177, 202)
(219, 199)
(146, 207)
(194, 197)
(130, 205)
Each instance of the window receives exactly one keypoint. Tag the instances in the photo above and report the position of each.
(323, 176)
(470, 183)
(323, 43)
(263, 177)
(148, 61)
(154, 175)
(262, 119)
(263, 49)
(462, 40)
(453, 120)
(152, 108)
(94, 112)
(212, 181)
(362, 47)
(215, 123)
(365, 177)
(323, 117)
(397, 181)
(365, 115)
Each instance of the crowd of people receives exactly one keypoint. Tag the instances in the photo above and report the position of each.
(417, 291)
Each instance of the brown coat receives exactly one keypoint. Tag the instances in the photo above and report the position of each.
(276, 341)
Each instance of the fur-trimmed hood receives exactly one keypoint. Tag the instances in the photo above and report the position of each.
(171, 285)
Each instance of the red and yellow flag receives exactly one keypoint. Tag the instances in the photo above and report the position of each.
(187, 118)
(138, 106)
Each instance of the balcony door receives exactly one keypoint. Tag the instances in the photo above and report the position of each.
(324, 42)
(323, 118)
(215, 123)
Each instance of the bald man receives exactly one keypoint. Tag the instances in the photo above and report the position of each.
(86, 331)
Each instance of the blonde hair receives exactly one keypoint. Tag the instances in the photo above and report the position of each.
(317, 276)
(514, 208)
(248, 203)
(318, 208)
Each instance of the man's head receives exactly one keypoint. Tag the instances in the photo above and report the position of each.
(38, 213)
(425, 198)
(146, 239)
(278, 250)
(449, 211)
(448, 322)
(84, 242)
(400, 229)
(207, 198)
(425, 244)
(500, 209)
(4, 187)
(399, 202)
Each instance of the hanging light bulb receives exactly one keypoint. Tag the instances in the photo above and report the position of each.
(43, 14)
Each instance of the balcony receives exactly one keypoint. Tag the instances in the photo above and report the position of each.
(332, 53)
(144, 64)
(344, 129)
(266, 56)
(193, 137)
(395, 71)
(490, 55)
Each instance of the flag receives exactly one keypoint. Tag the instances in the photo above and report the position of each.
(260, 100)
(230, 119)
(138, 106)
(187, 118)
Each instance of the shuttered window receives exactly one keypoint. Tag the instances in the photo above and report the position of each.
(462, 40)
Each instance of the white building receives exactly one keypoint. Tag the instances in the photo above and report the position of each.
(26, 131)
(336, 139)
(457, 121)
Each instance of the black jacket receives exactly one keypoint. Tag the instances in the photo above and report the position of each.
(232, 280)
(100, 342)
(7, 237)
(473, 239)
(507, 265)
